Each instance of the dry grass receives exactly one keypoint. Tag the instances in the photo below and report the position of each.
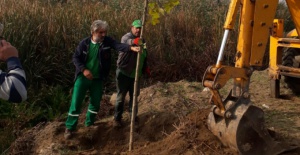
(46, 33)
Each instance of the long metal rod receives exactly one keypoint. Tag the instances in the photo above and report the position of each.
(221, 51)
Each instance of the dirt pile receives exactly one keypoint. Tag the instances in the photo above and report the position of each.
(172, 121)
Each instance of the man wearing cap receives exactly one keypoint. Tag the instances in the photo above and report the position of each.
(125, 73)
(92, 59)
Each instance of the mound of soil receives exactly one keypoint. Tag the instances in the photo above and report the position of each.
(172, 121)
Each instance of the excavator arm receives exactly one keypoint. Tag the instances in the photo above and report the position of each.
(235, 120)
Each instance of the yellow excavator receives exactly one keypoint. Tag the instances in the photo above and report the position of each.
(234, 119)
(284, 57)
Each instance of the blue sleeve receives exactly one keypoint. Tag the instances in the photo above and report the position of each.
(78, 57)
(13, 83)
(119, 46)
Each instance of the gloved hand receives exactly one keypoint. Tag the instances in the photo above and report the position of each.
(137, 41)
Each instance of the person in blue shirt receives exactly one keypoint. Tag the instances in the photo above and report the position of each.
(12, 82)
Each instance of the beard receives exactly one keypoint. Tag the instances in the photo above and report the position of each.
(97, 39)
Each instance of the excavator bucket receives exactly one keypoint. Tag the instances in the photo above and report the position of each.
(244, 131)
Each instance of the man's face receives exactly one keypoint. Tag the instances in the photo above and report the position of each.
(99, 34)
(136, 31)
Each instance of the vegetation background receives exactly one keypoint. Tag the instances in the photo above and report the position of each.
(46, 32)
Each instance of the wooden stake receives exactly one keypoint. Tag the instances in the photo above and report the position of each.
(136, 80)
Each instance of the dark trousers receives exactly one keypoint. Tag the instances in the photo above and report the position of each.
(124, 84)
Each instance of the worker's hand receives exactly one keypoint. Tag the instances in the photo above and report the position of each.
(88, 74)
(135, 48)
(137, 41)
(7, 50)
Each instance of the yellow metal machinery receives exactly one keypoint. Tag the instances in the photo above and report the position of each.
(235, 120)
(277, 67)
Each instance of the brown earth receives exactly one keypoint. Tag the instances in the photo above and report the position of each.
(172, 121)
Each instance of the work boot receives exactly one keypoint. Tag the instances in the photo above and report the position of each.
(68, 134)
(117, 123)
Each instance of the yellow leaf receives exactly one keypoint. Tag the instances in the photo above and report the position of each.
(161, 11)
(168, 8)
(151, 5)
(155, 15)
(175, 2)
(155, 10)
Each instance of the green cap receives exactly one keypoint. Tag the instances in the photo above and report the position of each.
(137, 23)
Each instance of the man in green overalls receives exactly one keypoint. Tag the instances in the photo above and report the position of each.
(92, 59)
